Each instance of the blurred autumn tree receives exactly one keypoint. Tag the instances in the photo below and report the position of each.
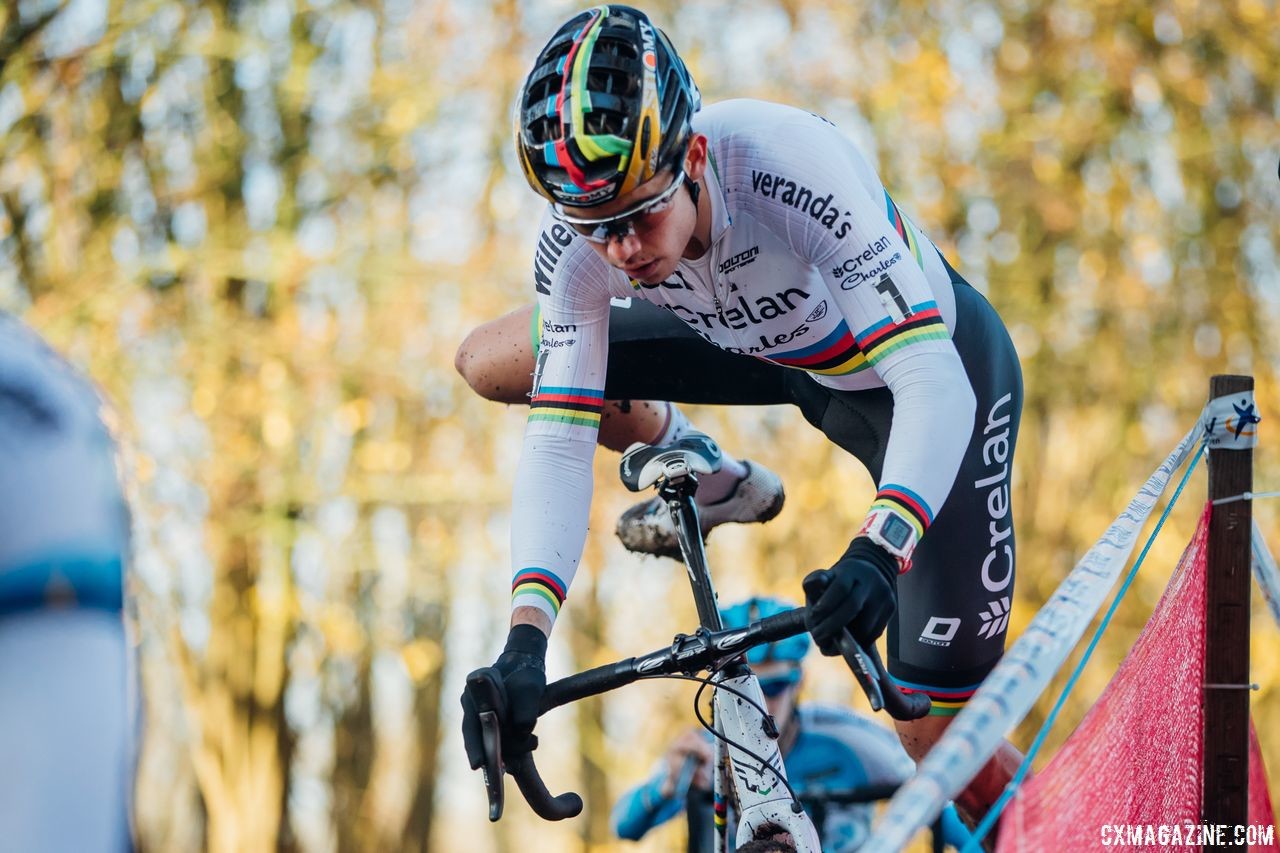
(264, 227)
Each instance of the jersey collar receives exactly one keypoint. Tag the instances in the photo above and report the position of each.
(720, 218)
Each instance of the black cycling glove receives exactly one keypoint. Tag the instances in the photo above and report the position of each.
(521, 678)
(859, 591)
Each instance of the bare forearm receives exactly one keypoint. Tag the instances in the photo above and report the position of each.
(531, 616)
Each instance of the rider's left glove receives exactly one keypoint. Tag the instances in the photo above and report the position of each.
(521, 677)
(859, 593)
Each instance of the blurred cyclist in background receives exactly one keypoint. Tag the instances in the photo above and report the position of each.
(66, 702)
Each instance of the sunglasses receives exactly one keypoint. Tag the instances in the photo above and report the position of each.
(637, 218)
(775, 685)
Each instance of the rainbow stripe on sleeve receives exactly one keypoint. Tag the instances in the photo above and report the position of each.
(886, 337)
(903, 227)
(905, 503)
(835, 355)
(571, 406)
(538, 588)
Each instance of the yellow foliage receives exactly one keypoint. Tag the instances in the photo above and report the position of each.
(422, 658)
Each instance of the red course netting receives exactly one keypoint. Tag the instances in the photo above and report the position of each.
(1260, 812)
(1136, 758)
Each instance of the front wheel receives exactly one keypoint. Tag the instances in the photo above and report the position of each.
(774, 826)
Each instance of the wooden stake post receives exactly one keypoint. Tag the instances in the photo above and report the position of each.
(1226, 674)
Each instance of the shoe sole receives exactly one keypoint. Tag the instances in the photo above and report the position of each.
(672, 549)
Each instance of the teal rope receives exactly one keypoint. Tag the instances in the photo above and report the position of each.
(973, 846)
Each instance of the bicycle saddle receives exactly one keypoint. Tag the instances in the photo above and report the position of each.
(643, 464)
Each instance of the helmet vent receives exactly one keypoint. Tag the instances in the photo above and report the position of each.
(644, 139)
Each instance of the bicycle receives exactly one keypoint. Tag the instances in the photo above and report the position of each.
(748, 763)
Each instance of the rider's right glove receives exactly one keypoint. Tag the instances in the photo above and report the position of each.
(520, 674)
(858, 592)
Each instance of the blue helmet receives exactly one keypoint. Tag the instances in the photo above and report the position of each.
(790, 650)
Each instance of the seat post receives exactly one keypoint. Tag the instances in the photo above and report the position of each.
(678, 492)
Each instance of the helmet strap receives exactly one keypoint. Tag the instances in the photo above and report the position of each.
(694, 189)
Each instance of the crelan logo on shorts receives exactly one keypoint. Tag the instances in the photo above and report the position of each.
(940, 631)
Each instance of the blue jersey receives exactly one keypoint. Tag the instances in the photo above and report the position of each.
(834, 749)
(64, 523)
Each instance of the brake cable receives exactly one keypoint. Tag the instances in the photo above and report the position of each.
(703, 683)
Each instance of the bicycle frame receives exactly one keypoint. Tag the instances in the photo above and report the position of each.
(759, 795)
(762, 800)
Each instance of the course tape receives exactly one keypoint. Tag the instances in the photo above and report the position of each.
(1265, 572)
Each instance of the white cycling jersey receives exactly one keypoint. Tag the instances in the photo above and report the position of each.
(811, 265)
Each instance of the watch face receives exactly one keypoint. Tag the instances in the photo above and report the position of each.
(896, 531)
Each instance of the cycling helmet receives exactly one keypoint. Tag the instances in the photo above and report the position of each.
(792, 649)
(606, 107)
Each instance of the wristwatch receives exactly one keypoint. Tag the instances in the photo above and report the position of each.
(893, 533)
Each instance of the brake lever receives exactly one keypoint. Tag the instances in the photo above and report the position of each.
(487, 699)
(863, 669)
(492, 768)
(901, 706)
(881, 692)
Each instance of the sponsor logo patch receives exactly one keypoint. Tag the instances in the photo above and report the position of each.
(578, 199)
(739, 313)
(995, 619)
(867, 266)
(551, 246)
(739, 260)
(997, 567)
(822, 209)
(940, 631)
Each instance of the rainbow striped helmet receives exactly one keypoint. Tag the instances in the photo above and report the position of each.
(606, 107)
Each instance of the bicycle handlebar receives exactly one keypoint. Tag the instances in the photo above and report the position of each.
(686, 655)
(545, 805)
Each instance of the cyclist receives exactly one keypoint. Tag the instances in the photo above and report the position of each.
(825, 748)
(764, 263)
(65, 708)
